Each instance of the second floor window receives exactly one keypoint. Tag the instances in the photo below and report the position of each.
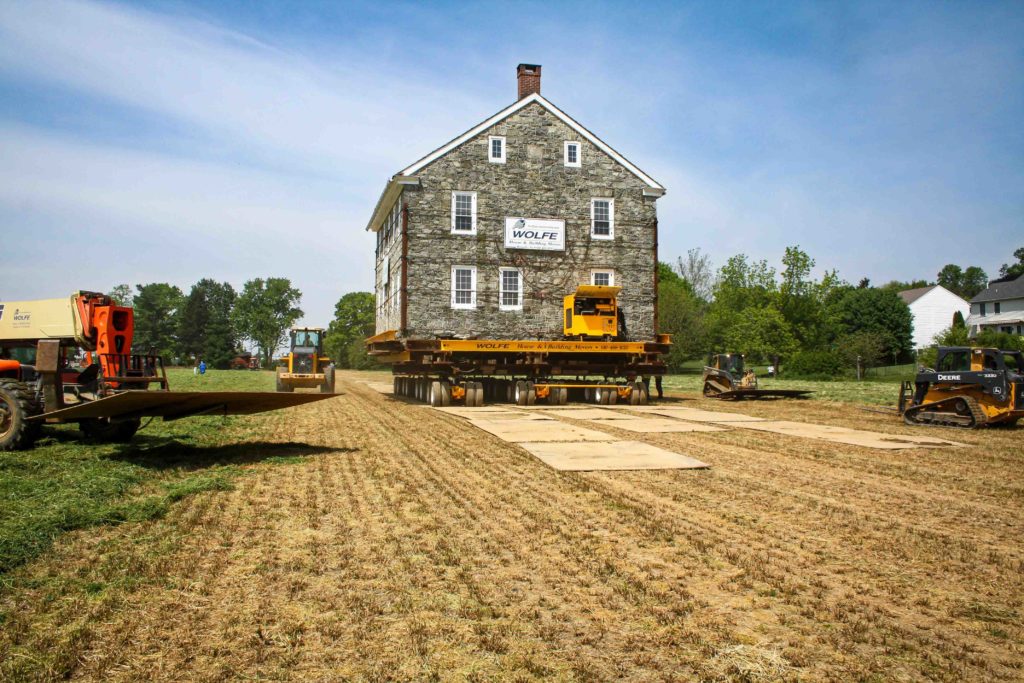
(995, 308)
(464, 212)
(602, 219)
(982, 309)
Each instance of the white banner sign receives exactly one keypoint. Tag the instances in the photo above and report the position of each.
(534, 233)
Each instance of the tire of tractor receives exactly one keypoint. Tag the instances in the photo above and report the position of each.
(641, 394)
(17, 404)
(446, 393)
(478, 401)
(563, 396)
(328, 386)
(613, 396)
(531, 394)
(101, 429)
(634, 396)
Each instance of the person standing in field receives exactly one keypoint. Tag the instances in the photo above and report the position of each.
(202, 367)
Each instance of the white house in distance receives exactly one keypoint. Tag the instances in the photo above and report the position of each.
(1000, 307)
(933, 309)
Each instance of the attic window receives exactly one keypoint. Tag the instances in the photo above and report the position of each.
(572, 154)
(496, 149)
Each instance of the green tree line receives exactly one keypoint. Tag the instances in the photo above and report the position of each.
(816, 326)
(213, 321)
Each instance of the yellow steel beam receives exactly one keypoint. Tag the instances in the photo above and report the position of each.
(516, 346)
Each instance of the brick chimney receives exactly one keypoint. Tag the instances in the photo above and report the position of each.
(528, 76)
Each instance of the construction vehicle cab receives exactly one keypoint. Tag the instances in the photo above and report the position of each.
(42, 371)
(969, 387)
(592, 312)
(306, 366)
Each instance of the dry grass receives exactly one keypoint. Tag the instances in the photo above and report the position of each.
(418, 548)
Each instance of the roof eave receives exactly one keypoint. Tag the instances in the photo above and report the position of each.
(387, 198)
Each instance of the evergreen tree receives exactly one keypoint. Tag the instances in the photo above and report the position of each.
(157, 306)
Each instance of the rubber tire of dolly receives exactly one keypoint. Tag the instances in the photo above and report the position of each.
(479, 400)
(519, 393)
(531, 394)
(434, 394)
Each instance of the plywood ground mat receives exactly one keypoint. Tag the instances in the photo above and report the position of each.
(854, 437)
(590, 414)
(523, 431)
(696, 414)
(659, 425)
(615, 455)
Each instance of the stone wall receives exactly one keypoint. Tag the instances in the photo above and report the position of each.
(533, 183)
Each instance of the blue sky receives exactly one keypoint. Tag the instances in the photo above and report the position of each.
(169, 141)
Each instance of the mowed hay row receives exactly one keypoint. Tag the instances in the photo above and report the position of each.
(421, 546)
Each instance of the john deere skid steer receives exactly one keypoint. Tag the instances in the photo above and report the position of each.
(968, 388)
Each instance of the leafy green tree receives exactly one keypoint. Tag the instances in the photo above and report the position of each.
(680, 314)
(974, 282)
(122, 295)
(761, 333)
(205, 328)
(880, 311)
(740, 285)
(866, 345)
(156, 315)
(958, 319)
(1013, 269)
(966, 283)
(354, 321)
(264, 312)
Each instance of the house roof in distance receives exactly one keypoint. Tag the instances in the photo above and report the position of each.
(1000, 290)
(909, 296)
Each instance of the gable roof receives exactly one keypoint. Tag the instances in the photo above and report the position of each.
(512, 109)
(407, 176)
(909, 296)
(1001, 290)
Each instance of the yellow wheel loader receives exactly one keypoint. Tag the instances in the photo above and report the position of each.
(306, 366)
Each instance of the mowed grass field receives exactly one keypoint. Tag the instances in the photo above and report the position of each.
(369, 538)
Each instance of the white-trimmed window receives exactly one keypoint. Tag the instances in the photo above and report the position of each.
(572, 154)
(602, 219)
(603, 277)
(463, 287)
(496, 149)
(464, 213)
(510, 290)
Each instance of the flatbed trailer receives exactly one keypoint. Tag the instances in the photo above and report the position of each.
(472, 371)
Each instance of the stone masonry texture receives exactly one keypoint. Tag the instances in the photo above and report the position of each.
(534, 183)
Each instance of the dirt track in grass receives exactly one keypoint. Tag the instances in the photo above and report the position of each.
(418, 547)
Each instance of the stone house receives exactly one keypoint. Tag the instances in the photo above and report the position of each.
(999, 307)
(483, 237)
(933, 309)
